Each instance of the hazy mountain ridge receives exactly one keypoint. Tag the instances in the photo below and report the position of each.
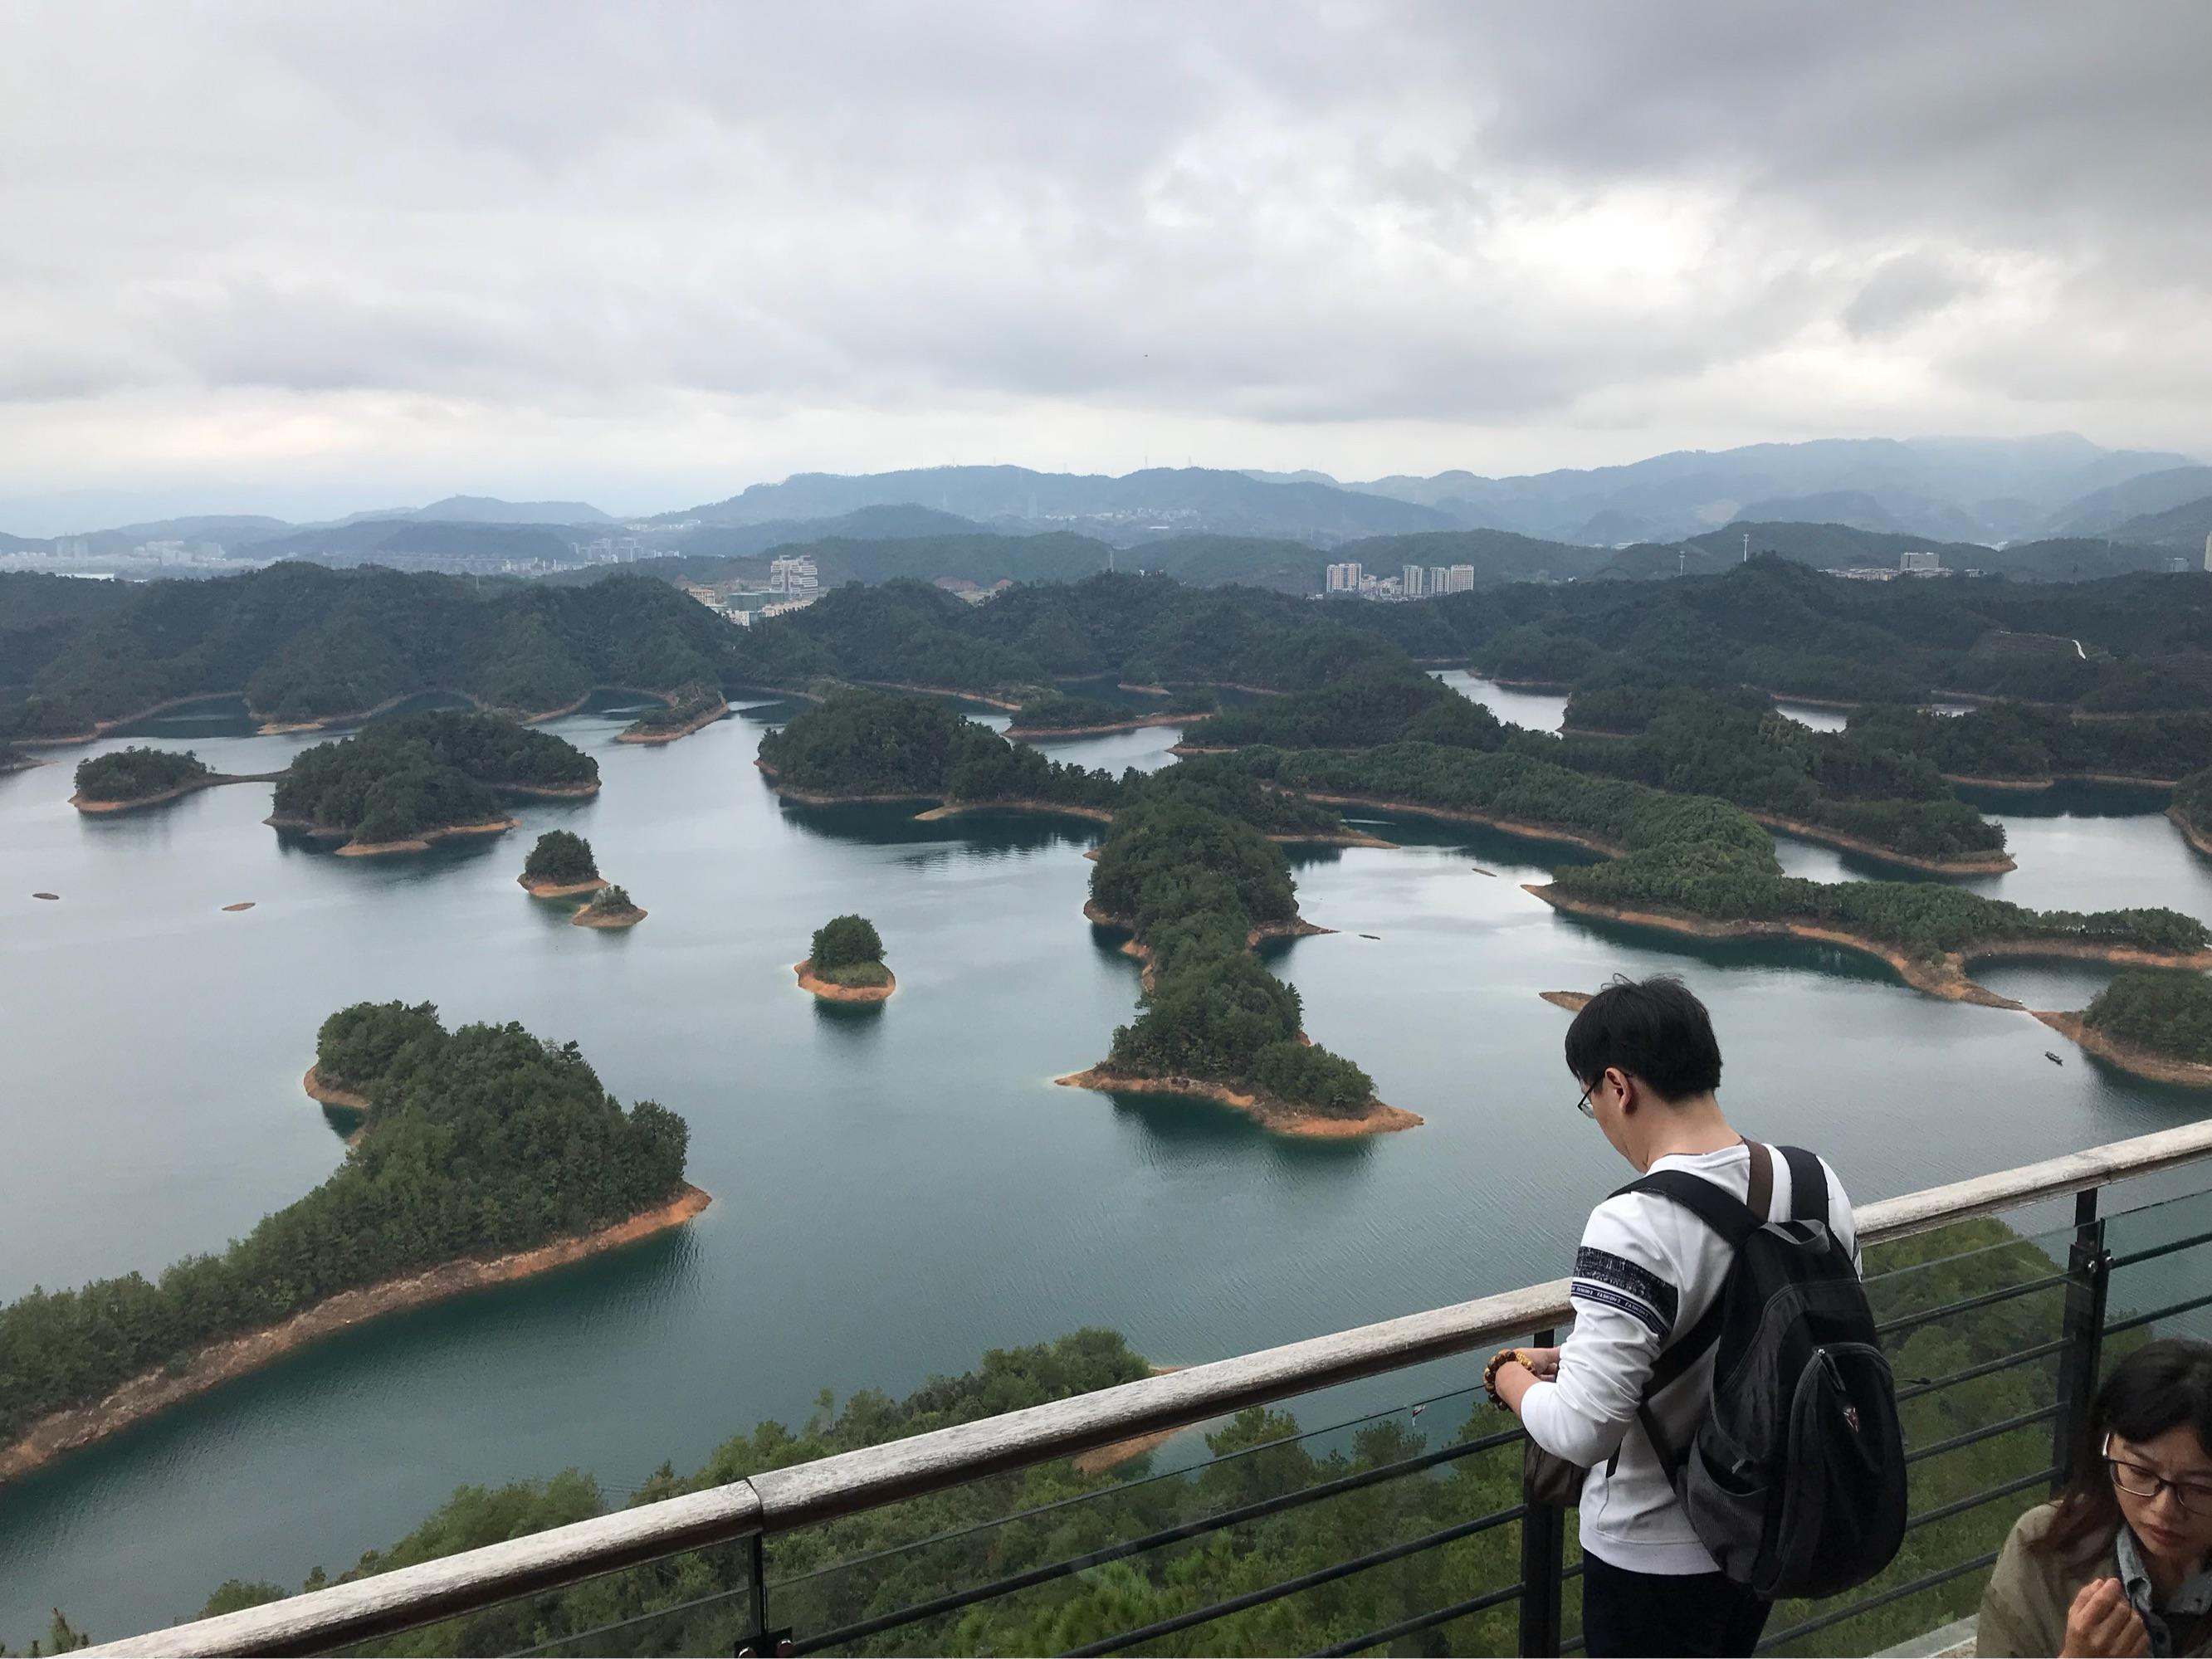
(2110, 510)
(1136, 506)
(1934, 490)
(1981, 489)
(2182, 529)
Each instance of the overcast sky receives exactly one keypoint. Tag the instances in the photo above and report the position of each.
(305, 259)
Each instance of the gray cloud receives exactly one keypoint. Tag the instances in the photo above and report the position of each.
(385, 242)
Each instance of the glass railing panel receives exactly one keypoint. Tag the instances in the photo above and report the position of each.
(2161, 1281)
(1280, 1540)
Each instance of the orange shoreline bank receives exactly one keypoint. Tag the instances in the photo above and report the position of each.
(217, 1363)
(2128, 1056)
(2195, 836)
(639, 732)
(1985, 864)
(589, 916)
(1468, 815)
(370, 849)
(557, 889)
(1030, 733)
(830, 991)
(193, 786)
(1943, 976)
(1270, 1112)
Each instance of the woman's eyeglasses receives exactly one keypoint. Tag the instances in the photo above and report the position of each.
(2138, 1480)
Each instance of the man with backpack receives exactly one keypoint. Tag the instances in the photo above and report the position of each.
(1722, 1382)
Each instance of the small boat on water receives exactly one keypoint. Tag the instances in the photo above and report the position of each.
(2052, 1058)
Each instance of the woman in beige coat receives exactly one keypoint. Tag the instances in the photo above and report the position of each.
(2121, 1565)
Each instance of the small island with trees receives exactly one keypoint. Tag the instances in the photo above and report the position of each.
(2155, 1022)
(560, 867)
(611, 906)
(846, 964)
(690, 708)
(486, 1154)
(128, 779)
(1056, 714)
(406, 785)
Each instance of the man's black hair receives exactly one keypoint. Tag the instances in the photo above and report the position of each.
(1654, 1029)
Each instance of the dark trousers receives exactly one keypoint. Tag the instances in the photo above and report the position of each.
(1629, 1613)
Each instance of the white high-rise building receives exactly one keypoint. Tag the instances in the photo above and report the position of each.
(1410, 581)
(1439, 581)
(2207, 550)
(1919, 563)
(1462, 579)
(794, 575)
(1344, 578)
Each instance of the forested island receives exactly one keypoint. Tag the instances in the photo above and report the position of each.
(846, 963)
(1142, 631)
(611, 907)
(1009, 1524)
(1698, 866)
(688, 708)
(2010, 745)
(487, 1154)
(400, 785)
(130, 778)
(1188, 867)
(560, 866)
(2154, 1023)
(2122, 645)
(885, 747)
(1056, 714)
(1688, 739)
(307, 645)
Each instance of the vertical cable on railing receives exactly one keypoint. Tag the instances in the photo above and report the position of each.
(2088, 1272)
(1543, 1550)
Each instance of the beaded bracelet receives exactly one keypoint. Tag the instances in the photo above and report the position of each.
(1499, 1361)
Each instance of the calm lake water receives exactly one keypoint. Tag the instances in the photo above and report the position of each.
(896, 1190)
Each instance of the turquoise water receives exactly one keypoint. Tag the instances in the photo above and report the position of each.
(896, 1189)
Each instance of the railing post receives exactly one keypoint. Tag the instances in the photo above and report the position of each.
(2088, 1272)
(1543, 1552)
(759, 1640)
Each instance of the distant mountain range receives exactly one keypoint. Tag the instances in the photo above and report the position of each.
(1930, 491)
(1139, 506)
(1987, 490)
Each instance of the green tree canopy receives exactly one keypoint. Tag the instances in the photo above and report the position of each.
(845, 942)
(561, 857)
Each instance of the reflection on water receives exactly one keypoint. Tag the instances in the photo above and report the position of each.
(1539, 711)
(898, 1186)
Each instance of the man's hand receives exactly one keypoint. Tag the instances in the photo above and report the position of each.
(1516, 1379)
(2100, 1625)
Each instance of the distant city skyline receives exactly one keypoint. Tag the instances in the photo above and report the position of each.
(304, 263)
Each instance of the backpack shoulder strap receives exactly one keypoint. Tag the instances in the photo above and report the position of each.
(1725, 1213)
(1808, 1185)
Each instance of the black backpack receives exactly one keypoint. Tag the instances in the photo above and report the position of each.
(1795, 1478)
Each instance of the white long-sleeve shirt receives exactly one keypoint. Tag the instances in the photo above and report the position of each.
(1647, 1269)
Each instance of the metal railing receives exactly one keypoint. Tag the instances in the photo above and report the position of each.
(747, 1513)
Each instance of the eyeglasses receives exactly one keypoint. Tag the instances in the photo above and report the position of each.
(1583, 1104)
(2138, 1480)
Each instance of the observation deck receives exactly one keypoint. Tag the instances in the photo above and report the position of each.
(1398, 1527)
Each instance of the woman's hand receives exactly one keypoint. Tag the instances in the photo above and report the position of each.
(2100, 1625)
